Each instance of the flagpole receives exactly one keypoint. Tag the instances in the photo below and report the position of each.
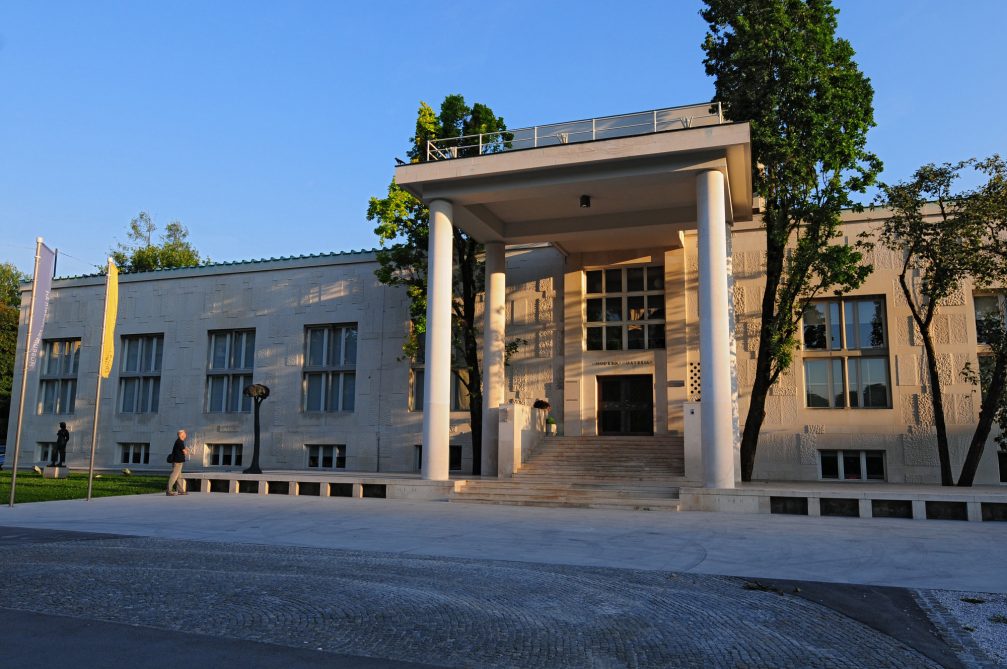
(97, 387)
(24, 369)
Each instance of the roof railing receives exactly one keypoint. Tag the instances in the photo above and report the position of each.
(570, 132)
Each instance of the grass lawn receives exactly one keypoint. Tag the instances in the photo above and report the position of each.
(31, 487)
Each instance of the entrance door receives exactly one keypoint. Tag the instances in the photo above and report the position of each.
(626, 405)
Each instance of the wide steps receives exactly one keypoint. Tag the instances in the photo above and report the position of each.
(594, 494)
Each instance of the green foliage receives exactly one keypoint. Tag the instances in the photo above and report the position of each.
(779, 66)
(403, 232)
(947, 239)
(143, 255)
(10, 284)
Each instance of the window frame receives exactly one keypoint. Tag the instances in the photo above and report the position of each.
(850, 357)
(146, 396)
(459, 395)
(62, 380)
(840, 454)
(217, 451)
(336, 456)
(342, 371)
(129, 450)
(234, 379)
(624, 323)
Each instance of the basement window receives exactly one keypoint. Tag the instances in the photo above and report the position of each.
(851, 465)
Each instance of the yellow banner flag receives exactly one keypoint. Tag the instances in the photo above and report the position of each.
(111, 312)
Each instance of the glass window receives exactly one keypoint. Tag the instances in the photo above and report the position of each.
(140, 373)
(846, 337)
(230, 352)
(330, 359)
(852, 465)
(460, 399)
(58, 383)
(987, 308)
(624, 309)
(326, 456)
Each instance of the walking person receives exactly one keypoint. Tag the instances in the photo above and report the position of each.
(59, 450)
(177, 459)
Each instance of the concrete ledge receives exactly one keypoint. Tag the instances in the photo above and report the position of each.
(910, 501)
(327, 484)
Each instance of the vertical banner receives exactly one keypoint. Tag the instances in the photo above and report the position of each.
(111, 311)
(41, 284)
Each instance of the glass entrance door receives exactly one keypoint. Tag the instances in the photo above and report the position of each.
(626, 405)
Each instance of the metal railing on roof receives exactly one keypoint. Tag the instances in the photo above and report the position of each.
(570, 132)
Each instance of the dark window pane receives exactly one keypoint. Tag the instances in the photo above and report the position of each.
(350, 353)
(417, 390)
(313, 456)
(613, 338)
(871, 324)
(815, 327)
(594, 282)
(830, 465)
(835, 327)
(875, 465)
(340, 457)
(249, 350)
(327, 457)
(851, 466)
(454, 457)
(316, 347)
(874, 382)
(838, 392)
(594, 339)
(613, 281)
(634, 279)
(655, 307)
(349, 391)
(655, 278)
(634, 337)
(613, 309)
(986, 307)
(635, 308)
(655, 336)
(594, 310)
(237, 456)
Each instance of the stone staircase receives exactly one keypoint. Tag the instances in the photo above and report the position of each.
(641, 473)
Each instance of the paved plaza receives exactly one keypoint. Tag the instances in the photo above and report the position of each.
(451, 585)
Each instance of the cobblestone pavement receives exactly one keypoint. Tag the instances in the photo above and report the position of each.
(448, 612)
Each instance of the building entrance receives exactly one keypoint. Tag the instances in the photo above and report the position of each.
(626, 405)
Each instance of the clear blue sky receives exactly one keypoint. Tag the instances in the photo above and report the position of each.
(265, 127)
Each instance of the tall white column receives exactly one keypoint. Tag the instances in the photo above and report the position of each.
(494, 331)
(714, 333)
(437, 373)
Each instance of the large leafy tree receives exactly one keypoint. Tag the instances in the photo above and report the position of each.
(141, 254)
(10, 301)
(947, 240)
(779, 65)
(403, 232)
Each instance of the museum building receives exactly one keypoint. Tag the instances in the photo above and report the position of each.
(624, 258)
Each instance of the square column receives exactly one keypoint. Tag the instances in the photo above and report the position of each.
(717, 408)
(494, 332)
(437, 372)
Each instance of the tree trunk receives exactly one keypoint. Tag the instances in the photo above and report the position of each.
(764, 363)
(994, 395)
(756, 413)
(943, 453)
(254, 467)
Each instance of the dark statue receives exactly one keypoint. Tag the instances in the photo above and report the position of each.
(258, 393)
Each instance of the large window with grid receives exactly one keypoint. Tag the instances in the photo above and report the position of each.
(330, 364)
(846, 354)
(58, 383)
(229, 371)
(140, 373)
(625, 308)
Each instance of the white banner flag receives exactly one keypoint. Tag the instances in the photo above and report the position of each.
(40, 286)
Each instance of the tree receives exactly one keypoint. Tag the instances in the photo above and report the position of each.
(779, 65)
(10, 301)
(403, 232)
(142, 255)
(947, 240)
